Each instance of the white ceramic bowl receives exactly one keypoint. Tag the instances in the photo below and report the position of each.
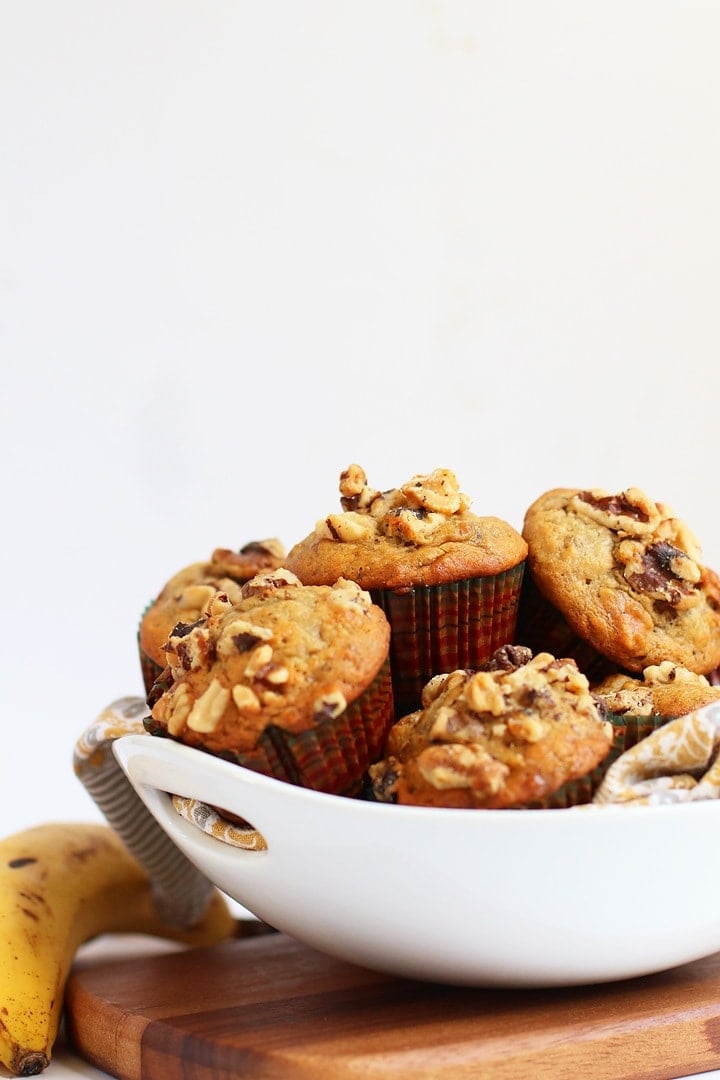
(514, 898)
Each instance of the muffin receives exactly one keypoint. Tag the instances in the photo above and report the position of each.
(509, 736)
(637, 705)
(290, 680)
(448, 580)
(185, 596)
(622, 576)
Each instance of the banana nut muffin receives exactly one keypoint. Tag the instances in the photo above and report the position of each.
(507, 736)
(626, 576)
(186, 595)
(447, 579)
(290, 680)
(665, 690)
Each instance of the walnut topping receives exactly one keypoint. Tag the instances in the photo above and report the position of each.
(245, 699)
(439, 683)
(657, 553)
(508, 657)
(485, 695)
(189, 648)
(438, 493)
(266, 582)
(528, 728)
(329, 706)
(411, 514)
(661, 571)
(350, 527)
(180, 703)
(677, 533)
(196, 597)
(219, 604)
(258, 659)
(347, 593)
(631, 512)
(411, 526)
(667, 672)
(353, 482)
(209, 707)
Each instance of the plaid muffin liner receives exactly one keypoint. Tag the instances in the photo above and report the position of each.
(332, 756)
(627, 731)
(441, 628)
(542, 628)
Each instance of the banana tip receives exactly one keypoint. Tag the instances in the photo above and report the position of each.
(30, 1064)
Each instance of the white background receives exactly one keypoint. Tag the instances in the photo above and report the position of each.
(243, 245)
(246, 244)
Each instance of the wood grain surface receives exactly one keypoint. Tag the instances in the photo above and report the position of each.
(272, 1009)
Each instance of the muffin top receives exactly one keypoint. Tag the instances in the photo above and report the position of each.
(627, 576)
(665, 689)
(284, 653)
(186, 595)
(501, 737)
(421, 533)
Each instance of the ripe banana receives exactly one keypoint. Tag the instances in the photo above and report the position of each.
(60, 885)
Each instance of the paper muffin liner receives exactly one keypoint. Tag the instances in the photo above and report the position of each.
(332, 756)
(543, 628)
(441, 628)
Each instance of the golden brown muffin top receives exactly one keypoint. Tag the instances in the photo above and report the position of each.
(421, 533)
(665, 689)
(627, 576)
(284, 653)
(495, 738)
(186, 595)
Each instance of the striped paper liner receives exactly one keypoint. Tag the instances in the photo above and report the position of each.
(440, 628)
(182, 892)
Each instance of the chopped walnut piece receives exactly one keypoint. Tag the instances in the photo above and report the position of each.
(438, 493)
(209, 707)
(258, 658)
(181, 703)
(330, 705)
(350, 526)
(661, 571)
(631, 512)
(245, 699)
(411, 514)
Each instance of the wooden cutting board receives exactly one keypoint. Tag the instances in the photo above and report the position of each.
(272, 1009)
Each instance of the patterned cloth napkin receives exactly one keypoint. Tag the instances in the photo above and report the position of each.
(182, 892)
(677, 762)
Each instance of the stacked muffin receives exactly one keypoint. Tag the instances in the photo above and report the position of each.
(448, 580)
(185, 596)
